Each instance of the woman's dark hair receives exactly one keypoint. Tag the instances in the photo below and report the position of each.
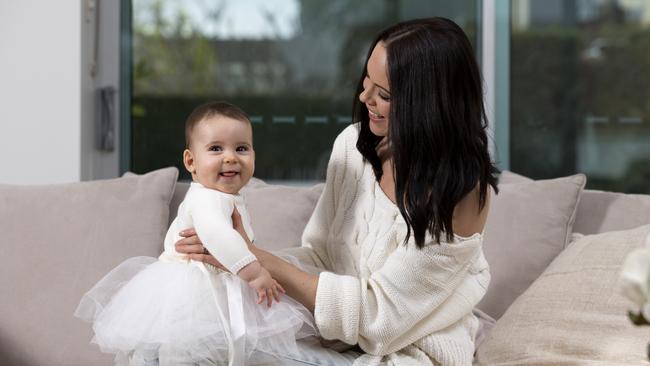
(437, 124)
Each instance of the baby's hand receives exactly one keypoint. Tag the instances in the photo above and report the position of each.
(266, 287)
(260, 279)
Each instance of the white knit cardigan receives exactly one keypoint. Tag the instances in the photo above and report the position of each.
(402, 305)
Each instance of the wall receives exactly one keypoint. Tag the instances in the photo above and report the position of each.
(39, 93)
(46, 92)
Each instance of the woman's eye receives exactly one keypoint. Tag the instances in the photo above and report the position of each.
(215, 148)
(384, 97)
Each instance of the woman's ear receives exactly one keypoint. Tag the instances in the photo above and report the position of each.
(188, 160)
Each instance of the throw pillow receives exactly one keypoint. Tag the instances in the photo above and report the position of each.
(507, 177)
(574, 313)
(279, 213)
(57, 242)
(601, 211)
(528, 225)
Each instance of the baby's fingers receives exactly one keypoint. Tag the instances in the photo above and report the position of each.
(276, 294)
(269, 297)
(279, 287)
(261, 295)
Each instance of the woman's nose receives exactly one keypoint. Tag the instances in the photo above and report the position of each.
(363, 96)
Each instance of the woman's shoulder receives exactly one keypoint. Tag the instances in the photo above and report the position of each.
(345, 155)
(348, 137)
(469, 217)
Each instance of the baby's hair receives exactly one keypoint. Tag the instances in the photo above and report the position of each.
(211, 109)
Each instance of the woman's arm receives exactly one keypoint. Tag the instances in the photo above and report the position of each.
(469, 217)
(298, 284)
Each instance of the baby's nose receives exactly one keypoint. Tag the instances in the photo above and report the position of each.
(230, 158)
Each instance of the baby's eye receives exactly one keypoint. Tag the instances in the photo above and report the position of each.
(242, 148)
(215, 148)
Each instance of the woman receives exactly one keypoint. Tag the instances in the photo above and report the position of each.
(397, 232)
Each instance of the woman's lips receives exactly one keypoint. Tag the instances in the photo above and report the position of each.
(375, 117)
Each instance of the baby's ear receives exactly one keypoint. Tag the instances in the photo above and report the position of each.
(188, 160)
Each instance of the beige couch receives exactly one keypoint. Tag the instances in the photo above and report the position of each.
(554, 293)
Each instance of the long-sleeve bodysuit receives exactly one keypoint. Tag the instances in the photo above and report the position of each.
(209, 212)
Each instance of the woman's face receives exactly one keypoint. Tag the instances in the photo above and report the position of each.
(376, 94)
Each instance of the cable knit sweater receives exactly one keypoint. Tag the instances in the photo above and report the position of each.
(402, 305)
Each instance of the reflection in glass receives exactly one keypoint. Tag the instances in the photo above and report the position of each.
(581, 92)
(292, 65)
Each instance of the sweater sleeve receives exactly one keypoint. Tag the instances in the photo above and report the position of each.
(211, 215)
(313, 251)
(415, 293)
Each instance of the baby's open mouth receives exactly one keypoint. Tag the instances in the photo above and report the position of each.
(228, 174)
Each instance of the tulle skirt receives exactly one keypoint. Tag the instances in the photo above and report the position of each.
(186, 313)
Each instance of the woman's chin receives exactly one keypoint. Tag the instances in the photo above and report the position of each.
(378, 128)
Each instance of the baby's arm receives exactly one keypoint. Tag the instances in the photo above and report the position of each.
(213, 224)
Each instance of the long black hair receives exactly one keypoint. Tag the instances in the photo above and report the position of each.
(437, 124)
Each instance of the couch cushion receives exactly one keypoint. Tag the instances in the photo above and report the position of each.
(574, 313)
(600, 211)
(278, 213)
(529, 224)
(57, 242)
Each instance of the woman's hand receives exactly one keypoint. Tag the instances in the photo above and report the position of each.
(193, 247)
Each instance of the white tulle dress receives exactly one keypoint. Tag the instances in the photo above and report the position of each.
(173, 311)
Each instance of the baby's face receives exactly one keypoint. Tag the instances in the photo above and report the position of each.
(222, 153)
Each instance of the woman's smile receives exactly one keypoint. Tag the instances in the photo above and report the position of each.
(375, 117)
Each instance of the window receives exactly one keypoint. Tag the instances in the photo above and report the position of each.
(291, 65)
(581, 92)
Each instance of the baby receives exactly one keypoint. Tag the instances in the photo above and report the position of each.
(176, 311)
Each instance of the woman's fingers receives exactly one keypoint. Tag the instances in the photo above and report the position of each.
(207, 258)
(187, 233)
(189, 241)
(189, 248)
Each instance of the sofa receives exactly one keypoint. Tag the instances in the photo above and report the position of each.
(555, 251)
